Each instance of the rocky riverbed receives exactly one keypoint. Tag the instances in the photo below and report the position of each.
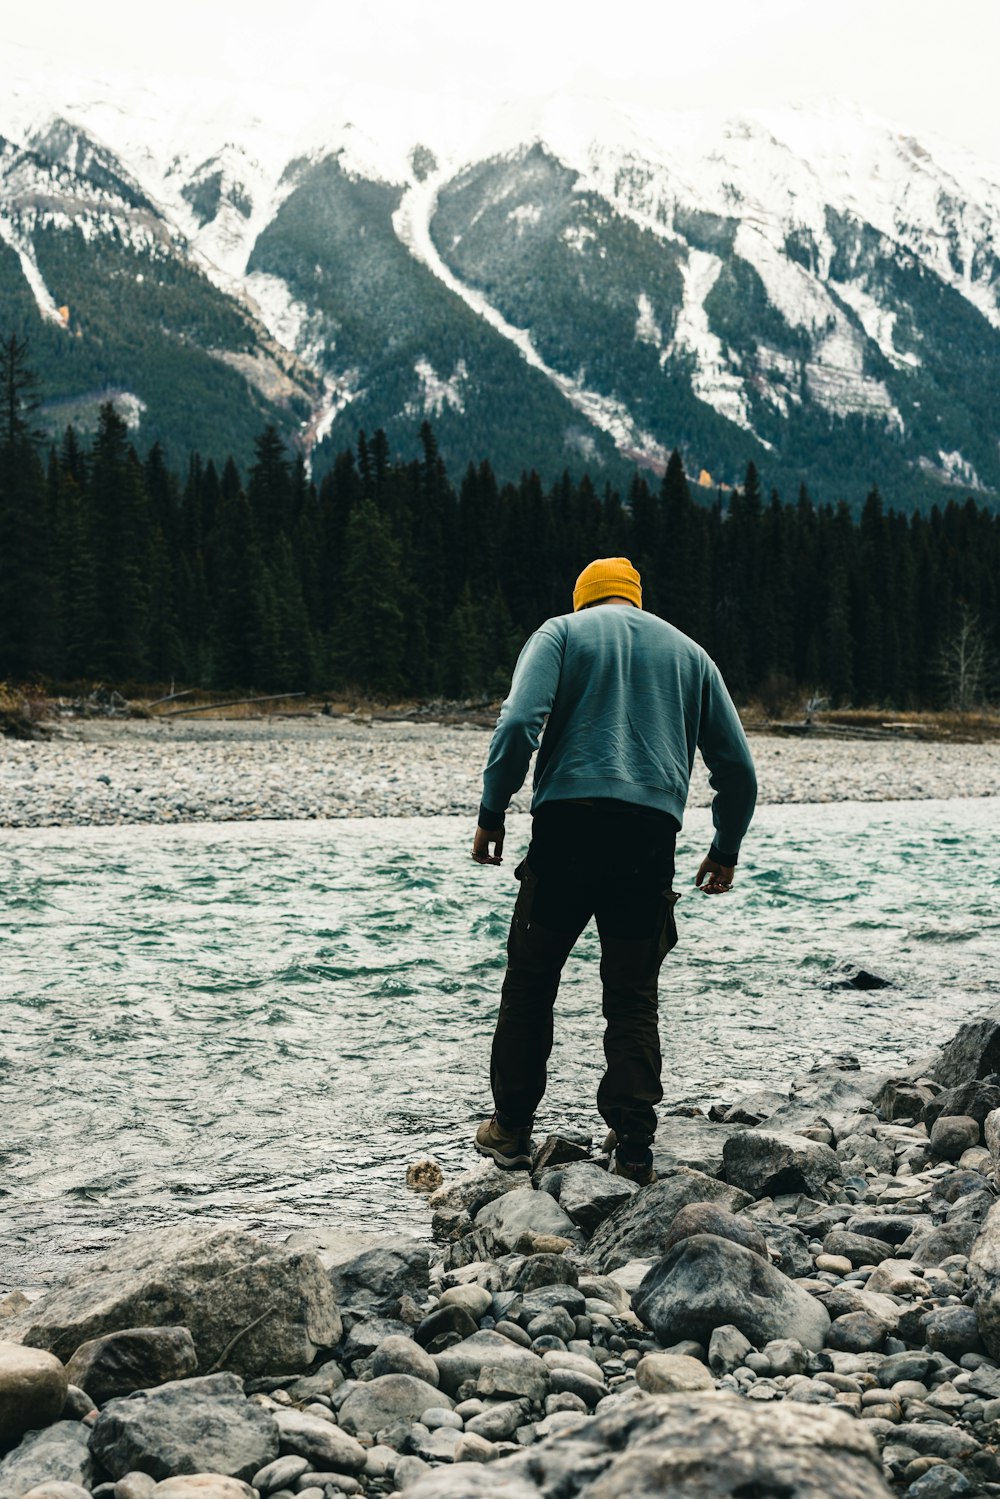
(806, 1303)
(187, 771)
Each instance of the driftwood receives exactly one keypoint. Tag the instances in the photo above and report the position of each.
(240, 702)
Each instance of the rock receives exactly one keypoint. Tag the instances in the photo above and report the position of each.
(940, 1482)
(976, 1099)
(544, 1270)
(890, 1228)
(499, 1422)
(953, 1134)
(899, 1098)
(367, 1333)
(202, 1425)
(270, 1307)
(984, 1273)
(325, 1445)
(553, 1322)
(991, 1133)
(933, 1439)
(936, 1244)
(859, 1249)
(55, 1488)
(442, 1325)
(202, 1486)
(638, 1230)
(473, 1189)
(833, 1264)
(973, 1052)
(953, 1330)
(787, 1356)
(705, 1282)
(373, 1269)
(495, 1365)
(424, 1175)
(696, 1143)
(280, 1474)
(771, 1164)
(788, 1248)
(137, 1358)
(33, 1389)
(727, 1350)
(828, 1096)
(588, 1194)
(402, 1355)
(863, 980)
(389, 1398)
(557, 1150)
(408, 1472)
(857, 1332)
(328, 1377)
(59, 1453)
(476, 1300)
(78, 1404)
(859, 1151)
(671, 1374)
(754, 1108)
(687, 1446)
(523, 1211)
(709, 1218)
(134, 1486)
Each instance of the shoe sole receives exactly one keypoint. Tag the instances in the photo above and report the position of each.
(505, 1162)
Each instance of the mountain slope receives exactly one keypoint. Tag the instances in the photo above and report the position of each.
(550, 283)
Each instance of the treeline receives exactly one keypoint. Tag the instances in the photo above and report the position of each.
(387, 579)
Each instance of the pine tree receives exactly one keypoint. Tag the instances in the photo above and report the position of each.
(29, 612)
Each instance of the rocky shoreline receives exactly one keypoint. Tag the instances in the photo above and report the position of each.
(805, 1303)
(109, 773)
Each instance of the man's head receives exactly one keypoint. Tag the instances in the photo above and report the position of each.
(608, 578)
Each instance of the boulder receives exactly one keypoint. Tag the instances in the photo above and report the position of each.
(709, 1218)
(706, 1282)
(973, 1052)
(328, 1448)
(137, 1358)
(204, 1425)
(953, 1330)
(984, 1273)
(263, 1307)
(687, 1446)
(827, 1095)
(788, 1248)
(860, 1249)
(33, 1389)
(588, 1194)
(638, 1230)
(496, 1366)
(770, 1164)
(539, 1270)
(400, 1355)
(59, 1453)
(952, 1134)
(933, 1245)
(899, 1098)
(974, 1099)
(523, 1211)
(695, 1142)
(389, 1398)
(369, 1269)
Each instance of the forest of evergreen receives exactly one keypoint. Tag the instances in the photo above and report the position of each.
(387, 580)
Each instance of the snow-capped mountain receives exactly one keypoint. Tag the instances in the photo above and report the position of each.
(551, 282)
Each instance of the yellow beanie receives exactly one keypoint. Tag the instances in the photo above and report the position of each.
(608, 577)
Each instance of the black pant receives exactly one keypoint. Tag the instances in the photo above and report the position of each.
(613, 861)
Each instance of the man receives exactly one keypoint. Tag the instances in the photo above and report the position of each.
(628, 699)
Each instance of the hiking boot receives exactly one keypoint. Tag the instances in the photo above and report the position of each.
(510, 1148)
(638, 1169)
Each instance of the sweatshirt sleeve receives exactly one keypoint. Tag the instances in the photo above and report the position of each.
(519, 727)
(725, 751)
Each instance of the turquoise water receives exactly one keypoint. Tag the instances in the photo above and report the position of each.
(263, 1023)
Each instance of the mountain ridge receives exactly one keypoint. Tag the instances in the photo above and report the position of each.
(811, 289)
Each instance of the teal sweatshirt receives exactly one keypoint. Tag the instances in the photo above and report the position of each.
(628, 699)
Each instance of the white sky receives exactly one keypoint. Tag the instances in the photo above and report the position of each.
(928, 65)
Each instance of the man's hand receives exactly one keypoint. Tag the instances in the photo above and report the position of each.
(714, 879)
(482, 843)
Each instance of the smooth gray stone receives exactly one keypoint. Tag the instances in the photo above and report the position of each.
(325, 1445)
(499, 1422)
(768, 1164)
(280, 1474)
(710, 1218)
(521, 1212)
(400, 1355)
(701, 1446)
(473, 1189)
(639, 1229)
(936, 1244)
(272, 1308)
(953, 1330)
(952, 1135)
(705, 1283)
(496, 1366)
(204, 1425)
(589, 1194)
(60, 1452)
(33, 1389)
(858, 1248)
(727, 1349)
(380, 1402)
(136, 1358)
(694, 1142)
